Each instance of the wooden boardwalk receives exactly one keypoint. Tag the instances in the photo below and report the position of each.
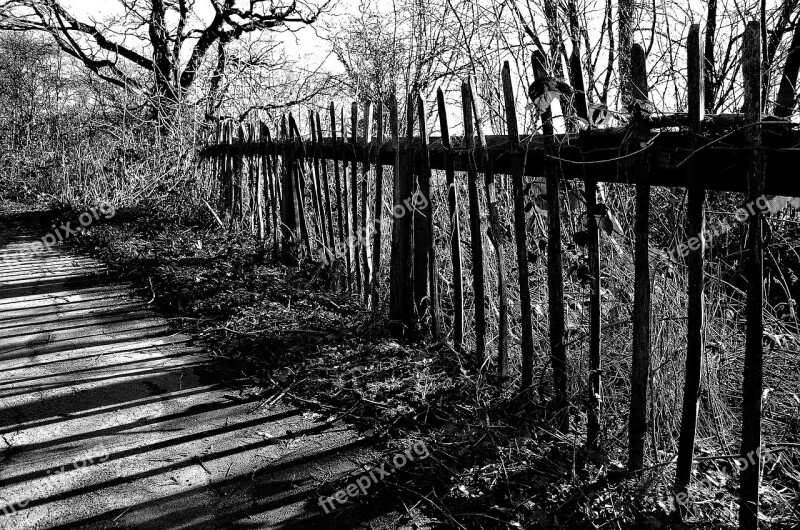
(110, 420)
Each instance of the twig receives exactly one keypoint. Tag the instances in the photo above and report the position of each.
(202, 464)
(221, 224)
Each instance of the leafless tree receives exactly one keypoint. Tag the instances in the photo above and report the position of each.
(164, 42)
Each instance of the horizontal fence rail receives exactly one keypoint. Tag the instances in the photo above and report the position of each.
(721, 164)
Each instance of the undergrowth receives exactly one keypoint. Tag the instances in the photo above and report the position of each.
(496, 459)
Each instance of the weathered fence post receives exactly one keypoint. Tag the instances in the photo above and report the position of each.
(520, 231)
(327, 186)
(378, 214)
(271, 183)
(226, 161)
(363, 236)
(455, 229)
(695, 318)
(555, 271)
(289, 214)
(354, 195)
(337, 182)
(348, 250)
(300, 184)
(640, 365)
(476, 233)
(242, 178)
(594, 405)
(750, 478)
(496, 237)
(401, 312)
(316, 182)
(424, 243)
(255, 178)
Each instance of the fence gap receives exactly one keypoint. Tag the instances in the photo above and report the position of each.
(476, 232)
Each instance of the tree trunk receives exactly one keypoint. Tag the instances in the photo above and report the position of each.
(626, 12)
(784, 105)
(710, 74)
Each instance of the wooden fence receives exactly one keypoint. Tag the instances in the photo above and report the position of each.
(311, 195)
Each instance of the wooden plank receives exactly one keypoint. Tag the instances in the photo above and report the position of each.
(338, 183)
(307, 170)
(752, 384)
(640, 364)
(401, 312)
(327, 193)
(496, 238)
(555, 271)
(476, 232)
(272, 187)
(378, 217)
(421, 254)
(290, 220)
(227, 189)
(258, 185)
(348, 249)
(216, 166)
(594, 408)
(425, 245)
(300, 184)
(455, 228)
(317, 185)
(363, 238)
(695, 317)
(520, 233)
(354, 195)
(240, 176)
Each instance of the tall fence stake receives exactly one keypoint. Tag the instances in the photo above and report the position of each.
(378, 214)
(640, 365)
(520, 232)
(455, 229)
(363, 238)
(694, 325)
(752, 384)
(476, 233)
(555, 271)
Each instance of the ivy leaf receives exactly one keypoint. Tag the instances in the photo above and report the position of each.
(609, 224)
